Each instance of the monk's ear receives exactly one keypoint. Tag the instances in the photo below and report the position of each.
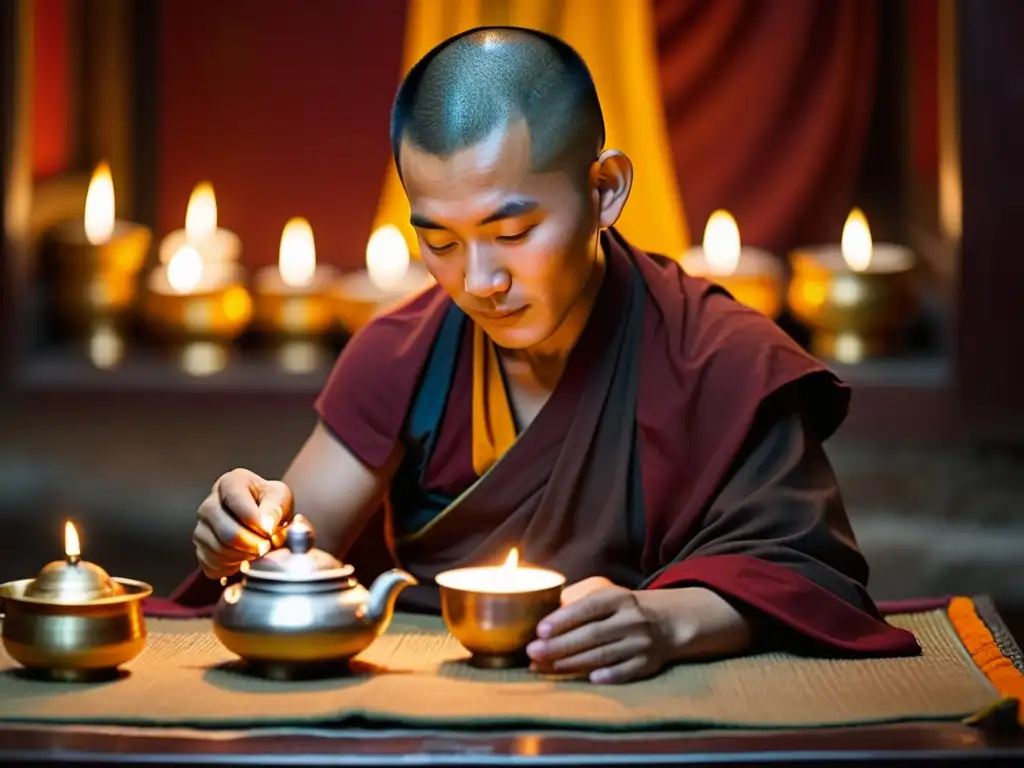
(611, 181)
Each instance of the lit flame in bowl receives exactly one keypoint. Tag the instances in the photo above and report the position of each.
(201, 214)
(185, 269)
(297, 255)
(506, 579)
(99, 206)
(722, 243)
(856, 244)
(512, 561)
(387, 257)
(72, 546)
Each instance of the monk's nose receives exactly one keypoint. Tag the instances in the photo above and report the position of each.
(485, 279)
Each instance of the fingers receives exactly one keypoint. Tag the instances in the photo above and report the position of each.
(578, 640)
(581, 589)
(626, 671)
(596, 606)
(229, 533)
(602, 634)
(275, 505)
(216, 561)
(238, 493)
(600, 656)
(237, 520)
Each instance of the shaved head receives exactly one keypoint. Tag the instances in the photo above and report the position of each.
(487, 78)
(498, 138)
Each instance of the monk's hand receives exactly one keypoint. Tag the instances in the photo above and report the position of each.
(237, 520)
(602, 631)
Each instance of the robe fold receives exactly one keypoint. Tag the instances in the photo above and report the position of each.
(682, 446)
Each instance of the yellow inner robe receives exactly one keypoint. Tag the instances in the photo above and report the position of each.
(494, 427)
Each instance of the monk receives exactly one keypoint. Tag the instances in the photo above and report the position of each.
(562, 392)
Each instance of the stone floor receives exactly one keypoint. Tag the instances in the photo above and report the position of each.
(931, 520)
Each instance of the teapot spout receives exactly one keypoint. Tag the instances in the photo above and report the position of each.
(380, 605)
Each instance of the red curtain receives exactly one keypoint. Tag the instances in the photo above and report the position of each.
(284, 105)
(51, 83)
(768, 105)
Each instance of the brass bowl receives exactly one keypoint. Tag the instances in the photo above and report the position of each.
(357, 301)
(74, 641)
(300, 315)
(91, 282)
(757, 281)
(496, 626)
(353, 313)
(851, 315)
(221, 313)
(760, 292)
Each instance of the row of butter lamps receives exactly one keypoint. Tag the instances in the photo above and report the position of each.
(856, 297)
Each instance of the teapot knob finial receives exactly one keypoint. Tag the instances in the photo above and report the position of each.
(299, 536)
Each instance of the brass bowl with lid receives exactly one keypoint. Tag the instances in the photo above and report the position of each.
(298, 609)
(74, 622)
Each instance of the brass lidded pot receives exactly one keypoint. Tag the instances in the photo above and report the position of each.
(298, 608)
(74, 622)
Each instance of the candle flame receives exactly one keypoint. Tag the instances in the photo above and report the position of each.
(387, 257)
(722, 243)
(201, 214)
(512, 561)
(856, 244)
(99, 206)
(185, 269)
(297, 256)
(72, 546)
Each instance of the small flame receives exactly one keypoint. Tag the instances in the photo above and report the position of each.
(99, 206)
(297, 256)
(201, 215)
(722, 243)
(856, 244)
(387, 257)
(72, 547)
(512, 561)
(185, 269)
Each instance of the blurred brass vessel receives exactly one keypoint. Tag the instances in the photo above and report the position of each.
(300, 315)
(73, 622)
(354, 313)
(91, 282)
(762, 292)
(852, 315)
(495, 627)
(199, 327)
(298, 610)
(219, 313)
(357, 300)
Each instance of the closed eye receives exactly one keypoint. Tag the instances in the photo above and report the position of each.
(440, 249)
(516, 238)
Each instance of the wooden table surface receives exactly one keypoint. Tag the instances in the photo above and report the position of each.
(917, 743)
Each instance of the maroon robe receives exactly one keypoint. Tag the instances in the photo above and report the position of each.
(738, 495)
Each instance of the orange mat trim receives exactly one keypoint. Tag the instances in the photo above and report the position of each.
(985, 652)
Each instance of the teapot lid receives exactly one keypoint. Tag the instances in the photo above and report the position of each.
(297, 559)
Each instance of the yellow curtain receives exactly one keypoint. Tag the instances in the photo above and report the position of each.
(616, 38)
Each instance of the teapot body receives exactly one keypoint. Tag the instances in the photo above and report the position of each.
(299, 606)
(288, 623)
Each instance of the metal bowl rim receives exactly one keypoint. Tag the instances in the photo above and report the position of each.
(484, 593)
(134, 591)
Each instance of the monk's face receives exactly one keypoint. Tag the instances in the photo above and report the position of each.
(512, 246)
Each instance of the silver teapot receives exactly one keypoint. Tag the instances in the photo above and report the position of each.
(299, 607)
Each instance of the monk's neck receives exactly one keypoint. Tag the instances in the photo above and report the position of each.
(539, 368)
